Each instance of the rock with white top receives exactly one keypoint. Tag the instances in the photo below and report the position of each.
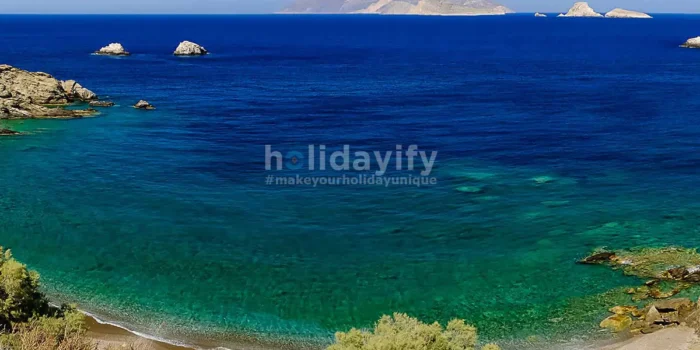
(113, 49)
(622, 13)
(540, 15)
(692, 43)
(143, 105)
(188, 48)
(582, 9)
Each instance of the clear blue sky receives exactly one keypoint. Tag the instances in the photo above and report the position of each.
(262, 6)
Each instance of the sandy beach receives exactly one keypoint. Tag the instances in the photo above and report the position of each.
(107, 335)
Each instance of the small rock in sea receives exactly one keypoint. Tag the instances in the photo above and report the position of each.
(101, 104)
(540, 15)
(651, 283)
(143, 105)
(621, 13)
(8, 132)
(598, 258)
(188, 48)
(113, 49)
(692, 43)
(470, 189)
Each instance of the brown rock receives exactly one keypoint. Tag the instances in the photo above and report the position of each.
(668, 319)
(616, 323)
(677, 273)
(598, 258)
(623, 310)
(652, 315)
(26, 94)
(656, 293)
(77, 91)
(679, 304)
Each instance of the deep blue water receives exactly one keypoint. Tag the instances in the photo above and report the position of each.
(162, 220)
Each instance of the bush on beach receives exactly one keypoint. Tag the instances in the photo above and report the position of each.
(401, 332)
(29, 322)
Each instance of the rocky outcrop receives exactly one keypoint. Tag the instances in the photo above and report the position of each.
(581, 9)
(188, 48)
(101, 104)
(7, 132)
(400, 7)
(654, 317)
(26, 94)
(78, 91)
(143, 105)
(692, 43)
(113, 49)
(621, 13)
(540, 15)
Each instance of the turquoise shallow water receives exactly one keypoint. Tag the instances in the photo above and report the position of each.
(161, 220)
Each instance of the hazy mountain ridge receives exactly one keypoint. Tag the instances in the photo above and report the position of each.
(418, 7)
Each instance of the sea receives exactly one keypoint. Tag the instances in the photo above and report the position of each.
(552, 137)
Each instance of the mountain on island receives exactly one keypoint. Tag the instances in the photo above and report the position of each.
(399, 7)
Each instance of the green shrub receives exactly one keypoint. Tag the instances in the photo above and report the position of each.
(401, 332)
(20, 298)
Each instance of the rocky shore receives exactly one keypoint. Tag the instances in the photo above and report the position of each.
(665, 273)
(26, 95)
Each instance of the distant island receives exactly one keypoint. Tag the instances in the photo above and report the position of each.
(399, 7)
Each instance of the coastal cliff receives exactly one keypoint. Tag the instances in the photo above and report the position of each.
(25, 95)
(400, 7)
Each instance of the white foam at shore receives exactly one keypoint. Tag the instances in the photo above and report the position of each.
(144, 335)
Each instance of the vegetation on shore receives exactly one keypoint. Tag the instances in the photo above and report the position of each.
(401, 332)
(29, 322)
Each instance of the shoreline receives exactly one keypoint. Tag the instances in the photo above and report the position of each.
(106, 334)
